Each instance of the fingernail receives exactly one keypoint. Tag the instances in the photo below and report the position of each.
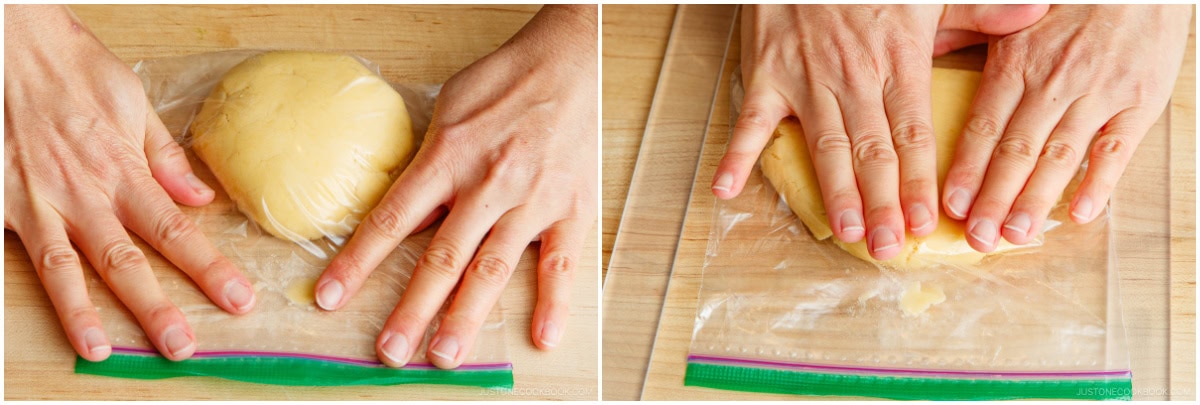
(1019, 223)
(1083, 209)
(196, 184)
(239, 295)
(959, 202)
(96, 343)
(883, 239)
(395, 348)
(330, 294)
(549, 334)
(984, 231)
(446, 348)
(919, 217)
(724, 182)
(177, 342)
(852, 222)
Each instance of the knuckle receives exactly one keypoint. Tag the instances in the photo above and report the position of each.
(387, 219)
(966, 173)
(842, 198)
(491, 269)
(1015, 147)
(160, 311)
(121, 258)
(916, 188)
(558, 266)
(1110, 147)
(348, 265)
(831, 142)
(173, 228)
(982, 126)
(913, 137)
(874, 152)
(405, 321)
(80, 315)
(884, 213)
(464, 322)
(753, 119)
(441, 261)
(172, 152)
(59, 259)
(1059, 153)
(454, 133)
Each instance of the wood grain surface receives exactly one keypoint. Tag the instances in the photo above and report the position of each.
(635, 38)
(1153, 210)
(416, 44)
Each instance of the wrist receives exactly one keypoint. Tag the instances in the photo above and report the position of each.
(562, 33)
(29, 25)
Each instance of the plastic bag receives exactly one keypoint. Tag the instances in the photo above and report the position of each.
(286, 339)
(782, 312)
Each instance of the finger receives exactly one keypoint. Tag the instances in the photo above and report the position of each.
(412, 198)
(1109, 156)
(1011, 165)
(560, 250)
(947, 41)
(127, 272)
(876, 166)
(60, 271)
(1059, 161)
(829, 145)
(170, 166)
(437, 272)
(991, 19)
(484, 280)
(760, 114)
(908, 104)
(1000, 91)
(150, 214)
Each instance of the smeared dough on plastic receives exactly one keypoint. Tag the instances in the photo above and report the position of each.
(305, 143)
(303, 291)
(917, 298)
(787, 165)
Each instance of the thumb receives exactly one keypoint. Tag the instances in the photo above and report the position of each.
(991, 19)
(948, 41)
(170, 166)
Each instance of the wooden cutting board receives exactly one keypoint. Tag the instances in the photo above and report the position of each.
(1158, 191)
(415, 44)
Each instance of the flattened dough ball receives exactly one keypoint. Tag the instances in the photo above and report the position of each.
(304, 143)
(787, 164)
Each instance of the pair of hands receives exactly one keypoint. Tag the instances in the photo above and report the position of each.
(510, 155)
(1061, 82)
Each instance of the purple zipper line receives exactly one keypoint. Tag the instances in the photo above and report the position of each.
(368, 363)
(884, 370)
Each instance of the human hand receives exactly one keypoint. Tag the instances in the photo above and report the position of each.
(858, 79)
(1083, 73)
(85, 157)
(511, 152)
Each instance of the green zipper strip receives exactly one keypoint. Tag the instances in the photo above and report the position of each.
(288, 371)
(776, 381)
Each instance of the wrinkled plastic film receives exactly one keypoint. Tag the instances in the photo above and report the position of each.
(782, 312)
(286, 331)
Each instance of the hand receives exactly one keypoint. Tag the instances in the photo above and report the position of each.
(1083, 74)
(85, 157)
(858, 78)
(511, 152)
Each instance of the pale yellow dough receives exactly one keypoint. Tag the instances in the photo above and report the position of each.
(787, 165)
(305, 143)
(303, 291)
(918, 298)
